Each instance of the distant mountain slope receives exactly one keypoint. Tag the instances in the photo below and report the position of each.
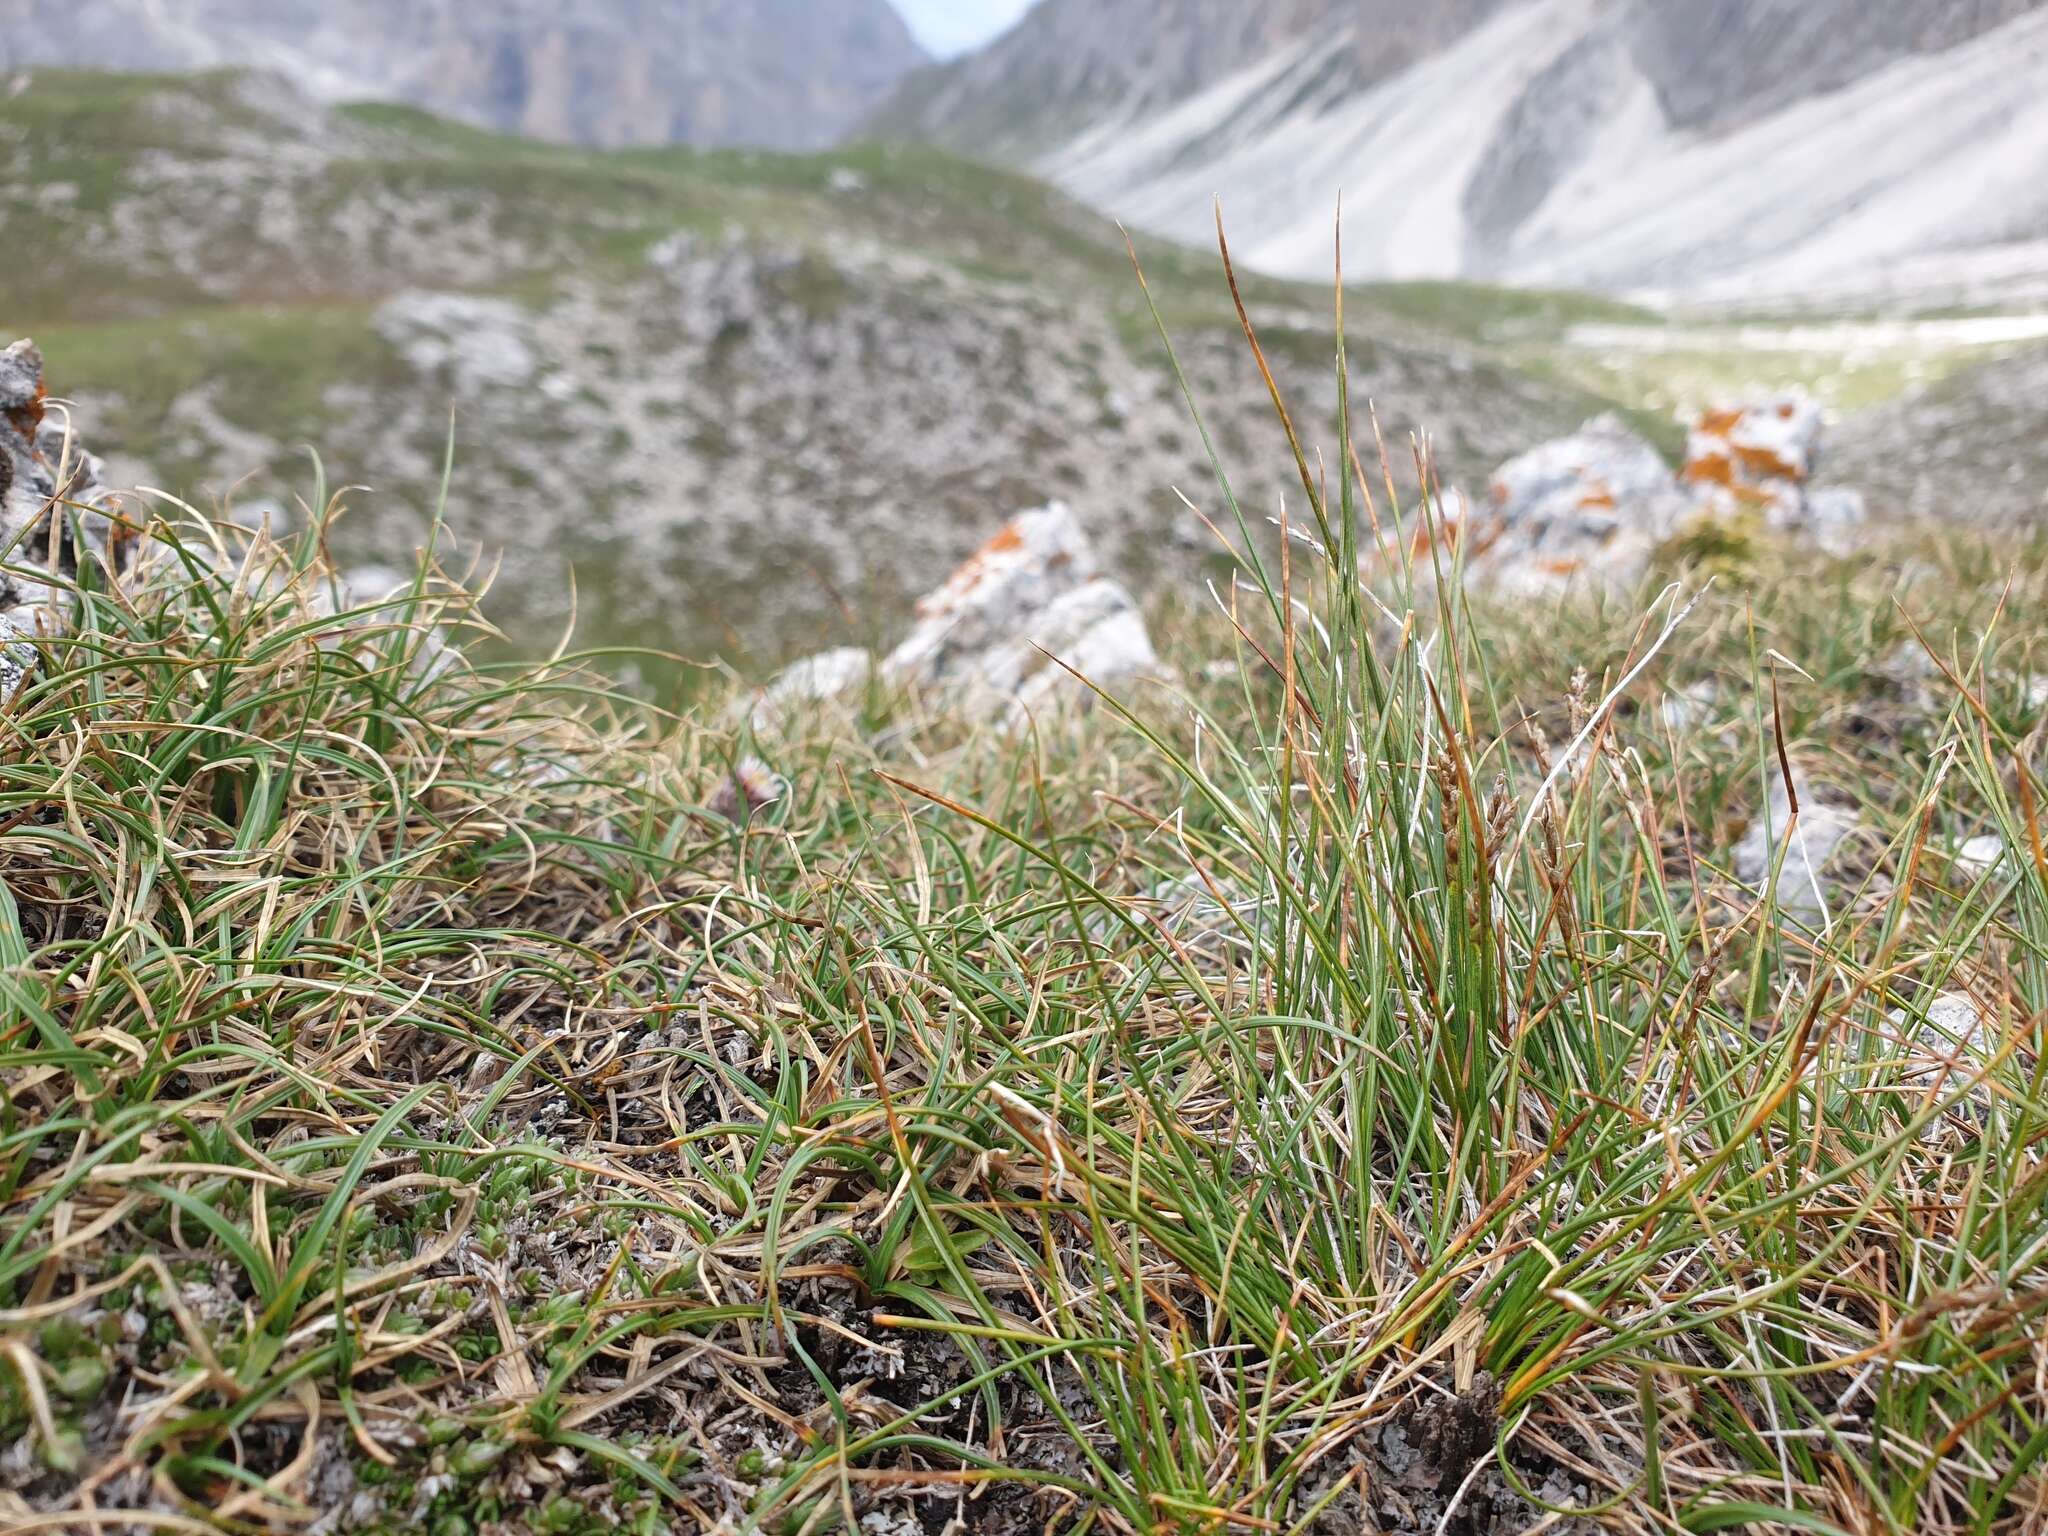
(1071, 64)
(1714, 146)
(789, 74)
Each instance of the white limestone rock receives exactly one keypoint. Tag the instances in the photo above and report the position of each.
(1809, 846)
(1590, 506)
(822, 681)
(993, 636)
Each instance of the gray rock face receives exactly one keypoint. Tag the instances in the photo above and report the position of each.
(1717, 62)
(46, 481)
(1547, 134)
(1695, 146)
(783, 74)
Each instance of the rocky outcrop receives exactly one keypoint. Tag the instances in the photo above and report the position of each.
(1028, 620)
(1599, 503)
(54, 513)
(782, 74)
(1595, 504)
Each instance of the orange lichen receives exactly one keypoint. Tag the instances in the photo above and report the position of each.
(27, 419)
(1711, 469)
(1766, 465)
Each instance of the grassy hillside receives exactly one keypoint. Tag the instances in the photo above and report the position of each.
(1401, 1072)
(757, 401)
(1357, 1091)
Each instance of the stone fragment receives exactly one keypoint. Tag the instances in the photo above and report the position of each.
(1947, 1044)
(1978, 857)
(1593, 505)
(1808, 846)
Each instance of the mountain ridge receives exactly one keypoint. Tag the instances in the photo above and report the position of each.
(1611, 144)
(748, 397)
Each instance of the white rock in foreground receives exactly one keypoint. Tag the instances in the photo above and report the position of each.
(1978, 857)
(1809, 845)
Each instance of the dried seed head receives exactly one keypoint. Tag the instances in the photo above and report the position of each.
(751, 787)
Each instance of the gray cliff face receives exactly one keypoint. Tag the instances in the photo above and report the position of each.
(780, 74)
(1714, 63)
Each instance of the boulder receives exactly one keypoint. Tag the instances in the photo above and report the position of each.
(1006, 634)
(1593, 505)
(47, 482)
(1808, 847)
(1756, 457)
(1597, 504)
(1762, 459)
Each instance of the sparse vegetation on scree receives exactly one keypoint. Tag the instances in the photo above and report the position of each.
(1348, 1089)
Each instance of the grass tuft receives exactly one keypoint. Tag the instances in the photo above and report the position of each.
(1352, 1088)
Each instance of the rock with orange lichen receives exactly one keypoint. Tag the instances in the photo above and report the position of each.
(1595, 507)
(1013, 626)
(49, 488)
(1029, 618)
(1756, 458)
(1591, 507)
